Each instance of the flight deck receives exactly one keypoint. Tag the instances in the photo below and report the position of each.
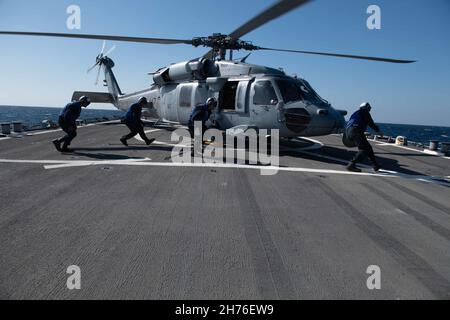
(141, 227)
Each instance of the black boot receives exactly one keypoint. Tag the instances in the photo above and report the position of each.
(124, 141)
(376, 167)
(57, 144)
(375, 164)
(352, 167)
(65, 148)
(149, 141)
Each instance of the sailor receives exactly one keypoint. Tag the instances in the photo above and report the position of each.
(67, 122)
(355, 131)
(134, 123)
(201, 113)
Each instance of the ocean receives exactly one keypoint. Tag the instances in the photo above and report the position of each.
(32, 117)
(416, 133)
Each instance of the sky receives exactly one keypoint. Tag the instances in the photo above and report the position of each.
(46, 71)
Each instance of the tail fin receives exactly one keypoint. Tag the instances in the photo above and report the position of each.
(110, 78)
(110, 81)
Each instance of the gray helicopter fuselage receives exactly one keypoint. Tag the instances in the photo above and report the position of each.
(248, 95)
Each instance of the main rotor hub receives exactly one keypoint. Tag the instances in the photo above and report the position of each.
(218, 41)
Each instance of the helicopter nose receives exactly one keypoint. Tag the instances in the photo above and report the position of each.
(332, 118)
(339, 122)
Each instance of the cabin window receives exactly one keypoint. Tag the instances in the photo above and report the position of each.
(185, 96)
(264, 93)
(227, 97)
(290, 91)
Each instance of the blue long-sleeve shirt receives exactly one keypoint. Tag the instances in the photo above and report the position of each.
(200, 113)
(362, 119)
(134, 114)
(71, 112)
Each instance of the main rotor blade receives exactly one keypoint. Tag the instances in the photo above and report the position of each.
(100, 37)
(341, 55)
(276, 10)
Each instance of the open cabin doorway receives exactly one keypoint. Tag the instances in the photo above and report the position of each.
(227, 96)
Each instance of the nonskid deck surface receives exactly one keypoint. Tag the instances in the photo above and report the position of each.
(140, 227)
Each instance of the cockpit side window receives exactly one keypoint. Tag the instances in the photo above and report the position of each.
(264, 93)
(309, 93)
(289, 90)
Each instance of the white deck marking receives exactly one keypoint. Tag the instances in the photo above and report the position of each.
(37, 133)
(67, 163)
(160, 143)
(316, 144)
(401, 211)
(153, 130)
(137, 137)
(83, 163)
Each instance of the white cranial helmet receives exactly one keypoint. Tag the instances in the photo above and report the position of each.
(365, 105)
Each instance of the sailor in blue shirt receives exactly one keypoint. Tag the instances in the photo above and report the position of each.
(68, 123)
(355, 131)
(201, 113)
(134, 123)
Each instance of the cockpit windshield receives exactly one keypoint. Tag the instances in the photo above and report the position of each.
(289, 90)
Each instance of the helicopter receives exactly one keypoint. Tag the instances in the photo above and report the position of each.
(248, 95)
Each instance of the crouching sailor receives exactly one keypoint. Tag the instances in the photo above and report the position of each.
(134, 123)
(355, 131)
(202, 114)
(68, 123)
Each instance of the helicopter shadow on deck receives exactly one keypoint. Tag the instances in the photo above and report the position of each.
(342, 156)
(147, 124)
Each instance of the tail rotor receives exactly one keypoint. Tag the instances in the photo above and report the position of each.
(102, 58)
